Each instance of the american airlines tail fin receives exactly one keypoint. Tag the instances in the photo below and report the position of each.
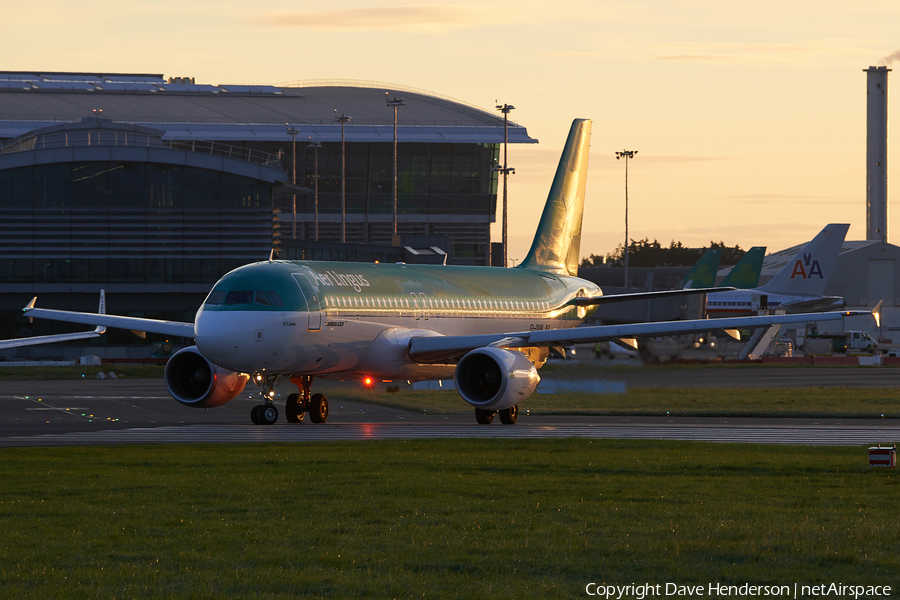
(557, 243)
(809, 271)
(745, 274)
(703, 274)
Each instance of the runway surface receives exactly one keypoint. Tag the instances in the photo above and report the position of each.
(804, 435)
(88, 412)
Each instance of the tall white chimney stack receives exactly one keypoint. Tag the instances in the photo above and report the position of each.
(876, 154)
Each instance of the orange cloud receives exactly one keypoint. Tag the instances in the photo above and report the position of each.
(428, 18)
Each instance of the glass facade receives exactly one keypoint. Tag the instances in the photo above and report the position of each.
(431, 178)
(443, 189)
(122, 184)
(129, 222)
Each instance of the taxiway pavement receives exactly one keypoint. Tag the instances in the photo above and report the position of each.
(140, 411)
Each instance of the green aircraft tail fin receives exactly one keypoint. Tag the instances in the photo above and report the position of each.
(745, 274)
(703, 274)
(557, 242)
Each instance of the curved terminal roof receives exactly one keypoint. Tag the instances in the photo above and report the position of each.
(186, 110)
(102, 140)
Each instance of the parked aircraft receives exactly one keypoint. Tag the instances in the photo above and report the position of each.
(490, 328)
(796, 288)
(745, 274)
(703, 274)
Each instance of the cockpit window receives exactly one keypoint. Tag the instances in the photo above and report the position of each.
(275, 298)
(239, 297)
(262, 298)
(215, 297)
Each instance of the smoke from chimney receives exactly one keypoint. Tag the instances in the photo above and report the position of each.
(890, 58)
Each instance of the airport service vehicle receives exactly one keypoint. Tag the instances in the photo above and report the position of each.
(838, 342)
(489, 328)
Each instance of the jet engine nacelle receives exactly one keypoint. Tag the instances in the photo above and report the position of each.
(494, 378)
(194, 381)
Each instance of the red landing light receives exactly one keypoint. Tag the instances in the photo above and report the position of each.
(367, 382)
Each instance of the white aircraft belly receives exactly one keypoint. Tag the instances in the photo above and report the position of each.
(281, 341)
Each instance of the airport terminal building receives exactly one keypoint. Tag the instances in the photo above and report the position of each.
(152, 188)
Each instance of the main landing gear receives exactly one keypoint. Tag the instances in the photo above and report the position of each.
(296, 406)
(508, 416)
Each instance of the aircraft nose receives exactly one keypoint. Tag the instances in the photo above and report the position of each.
(220, 338)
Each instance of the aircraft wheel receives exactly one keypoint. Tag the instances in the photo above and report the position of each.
(254, 414)
(267, 414)
(318, 408)
(292, 409)
(509, 416)
(484, 417)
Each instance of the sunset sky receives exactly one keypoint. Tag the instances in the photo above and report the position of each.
(748, 118)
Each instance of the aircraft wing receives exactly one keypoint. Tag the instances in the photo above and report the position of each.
(592, 300)
(62, 337)
(429, 349)
(172, 328)
(50, 339)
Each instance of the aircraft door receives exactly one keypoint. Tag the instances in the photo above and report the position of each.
(759, 302)
(415, 303)
(424, 305)
(311, 294)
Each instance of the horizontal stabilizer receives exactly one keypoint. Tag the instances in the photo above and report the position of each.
(592, 300)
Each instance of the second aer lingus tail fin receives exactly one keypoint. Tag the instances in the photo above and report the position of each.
(745, 274)
(703, 274)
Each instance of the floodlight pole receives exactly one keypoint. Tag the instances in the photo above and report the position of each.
(505, 109)
(293, 131)
(315, 146)
(626, 154)
(395, 103)
(342, 120)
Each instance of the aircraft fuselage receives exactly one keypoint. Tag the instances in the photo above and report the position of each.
(738, 303)
(354, 320)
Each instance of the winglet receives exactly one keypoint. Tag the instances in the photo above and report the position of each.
(28, 307)
(101, 310)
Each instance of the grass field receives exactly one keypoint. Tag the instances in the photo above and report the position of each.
(732, 402)
(440, 518)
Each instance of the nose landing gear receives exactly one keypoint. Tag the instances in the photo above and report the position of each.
(265, 413)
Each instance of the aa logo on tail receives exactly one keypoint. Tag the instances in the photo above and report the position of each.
(807, 268)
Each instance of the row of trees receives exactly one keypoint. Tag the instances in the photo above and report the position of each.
(644, 253)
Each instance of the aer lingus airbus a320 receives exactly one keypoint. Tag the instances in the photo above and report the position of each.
(489, 328)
